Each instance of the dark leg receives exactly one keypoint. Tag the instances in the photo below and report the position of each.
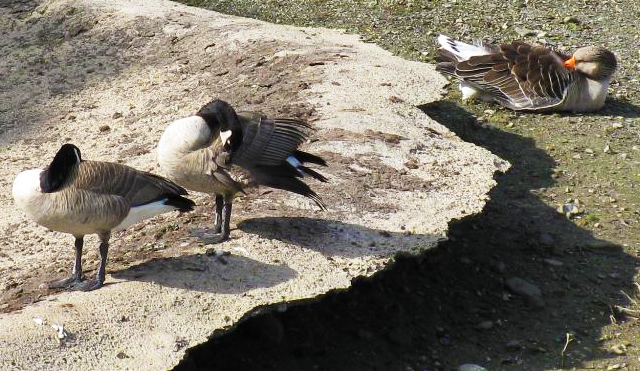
(97, 283)
(217, 227)
(225, 229)
(76, 278)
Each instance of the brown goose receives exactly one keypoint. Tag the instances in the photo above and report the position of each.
(221, 152)
(520, 76)
(85, 197)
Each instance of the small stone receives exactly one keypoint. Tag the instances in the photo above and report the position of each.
(489, 112)
(485, 325)
(573, 20)
(519, 286)
(364, 334)
(471, 367)
(553, 262)
(607, 149)
(619, 349)
(514, 345)
(122, 355)
(104, 128)
(589, 151)
(116, 115)
(623, 156)
(546, 239)
(411, 164)
(524, 32)
(600, 245)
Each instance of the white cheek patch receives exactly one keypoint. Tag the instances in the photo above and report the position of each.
(225, 135)
(75, 151)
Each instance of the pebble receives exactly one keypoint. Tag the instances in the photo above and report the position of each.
(514, 345)
(104, 128)
(471, 367)
(485, 325)
(600, 245)
(571, 20)
(620, 349)
(553, 262)
(546, 240)
(530, 291)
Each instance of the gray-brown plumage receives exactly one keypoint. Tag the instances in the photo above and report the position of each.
(221, 152)
(529, 77)
(85, 197)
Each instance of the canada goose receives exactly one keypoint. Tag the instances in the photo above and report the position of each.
(520, 76)
(82, 197)
(199, 153)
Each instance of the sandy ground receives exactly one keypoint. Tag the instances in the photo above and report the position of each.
(109, 76)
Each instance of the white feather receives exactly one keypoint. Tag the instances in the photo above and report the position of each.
(225, 135)
(462, 51)
(142, 212)
(468, 91)
(26, 187)
(295, 163)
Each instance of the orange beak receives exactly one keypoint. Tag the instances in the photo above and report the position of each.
(570, 63)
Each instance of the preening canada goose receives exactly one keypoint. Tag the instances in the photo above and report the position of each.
(84, 197)
(529, 77)
(221, 152)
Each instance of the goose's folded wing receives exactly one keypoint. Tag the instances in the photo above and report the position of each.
(137, 187)
(521, 76)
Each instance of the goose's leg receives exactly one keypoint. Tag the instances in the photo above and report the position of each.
(224, 228)
(217, 227)
(76, 278)
(97, 283)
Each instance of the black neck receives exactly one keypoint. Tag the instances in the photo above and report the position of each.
(220, 116)
(57, 173)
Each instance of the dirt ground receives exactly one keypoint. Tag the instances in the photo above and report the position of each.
(451, 306)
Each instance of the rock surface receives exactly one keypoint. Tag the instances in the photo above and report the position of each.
(108, 76)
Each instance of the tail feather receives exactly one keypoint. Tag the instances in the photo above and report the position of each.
(291, 184)
(308, 157)
(463, 51)
(313, 173)
(181, 203)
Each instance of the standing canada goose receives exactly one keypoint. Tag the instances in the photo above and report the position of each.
(199, 153)
(520, 76)
(84, 197)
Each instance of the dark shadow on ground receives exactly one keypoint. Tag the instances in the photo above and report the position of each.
(228, 274)
(424, 312)
(332, 237)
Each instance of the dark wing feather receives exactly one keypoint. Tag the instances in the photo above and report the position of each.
(266, 146)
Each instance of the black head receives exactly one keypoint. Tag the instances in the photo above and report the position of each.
(220, 116)
(54, 176)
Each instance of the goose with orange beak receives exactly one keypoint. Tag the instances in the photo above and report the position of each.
(528, 77)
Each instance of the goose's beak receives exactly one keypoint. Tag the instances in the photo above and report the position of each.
(570, 63)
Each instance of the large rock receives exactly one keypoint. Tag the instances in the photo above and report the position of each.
(109, 76)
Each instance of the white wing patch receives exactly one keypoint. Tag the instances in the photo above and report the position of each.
(142, 212)
(225, 135)
(461, 50)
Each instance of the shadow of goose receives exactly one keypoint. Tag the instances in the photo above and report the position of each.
(334, 238)
(223, 274)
